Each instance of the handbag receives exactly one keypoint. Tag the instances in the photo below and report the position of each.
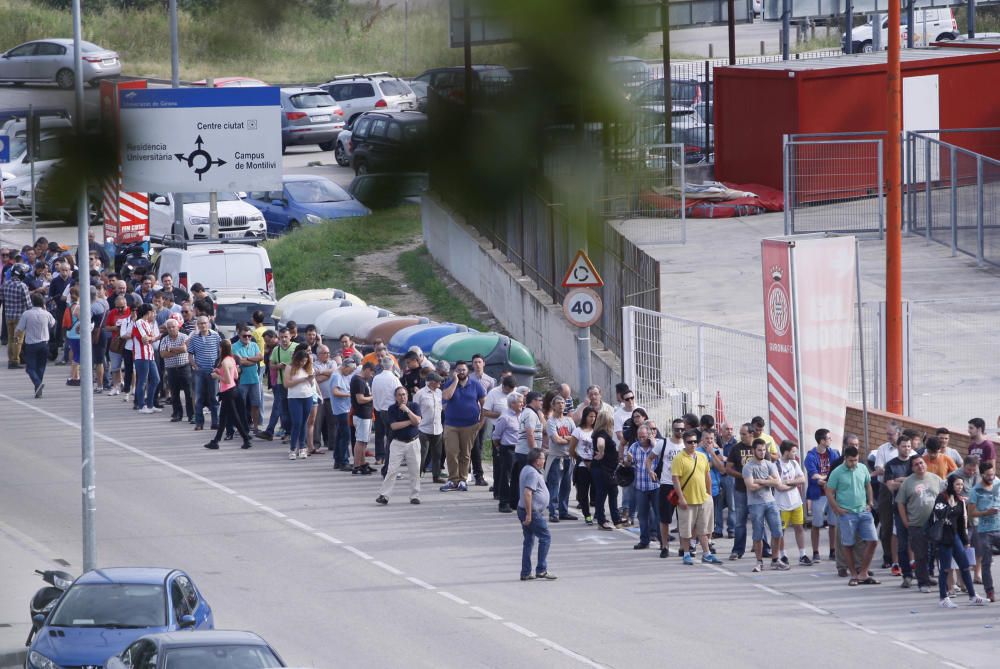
(935, 528)
(673, 496)
(624, 475)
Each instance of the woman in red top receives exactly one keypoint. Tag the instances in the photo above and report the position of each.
(228, 376)
(147, 376)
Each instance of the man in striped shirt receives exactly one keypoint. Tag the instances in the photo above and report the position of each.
(203, 352)
(173, 351)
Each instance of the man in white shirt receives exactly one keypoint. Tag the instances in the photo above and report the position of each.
(495, 404)
(323, 368)
(884, 454)
(383, 396)
(431, 428)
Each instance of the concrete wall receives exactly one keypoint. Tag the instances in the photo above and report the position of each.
(879, 420)
(526, 313)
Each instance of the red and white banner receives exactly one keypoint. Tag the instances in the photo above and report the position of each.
(126, 215)
(779, 337)
(809, 321)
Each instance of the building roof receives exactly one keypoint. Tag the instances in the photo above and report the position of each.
(876, 58)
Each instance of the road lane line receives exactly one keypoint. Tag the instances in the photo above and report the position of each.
(454, 598)
(568, 653)
(767, 589)
(361, 554)
(862, 628)
(488, 614)
(273, 512)
(952, 665)
(423, 584)
(388, 567)
(327, 537)
(520, 630)
(721, 570)
(248, 500)
(299, 524)
(907, 646)
(814, 609)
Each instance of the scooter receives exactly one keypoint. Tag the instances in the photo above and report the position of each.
(45, 599)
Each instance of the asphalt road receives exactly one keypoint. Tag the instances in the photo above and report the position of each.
(302, 555)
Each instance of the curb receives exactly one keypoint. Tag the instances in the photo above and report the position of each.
(13, 659)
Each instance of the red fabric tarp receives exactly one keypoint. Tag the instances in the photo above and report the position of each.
(767, 199)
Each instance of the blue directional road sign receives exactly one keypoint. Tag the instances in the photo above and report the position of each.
(4, 149)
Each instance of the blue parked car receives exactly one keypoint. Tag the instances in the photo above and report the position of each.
(304, 199)
(105, 610)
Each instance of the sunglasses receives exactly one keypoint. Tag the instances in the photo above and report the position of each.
(690, 441)
(244, 336)
(629, 398)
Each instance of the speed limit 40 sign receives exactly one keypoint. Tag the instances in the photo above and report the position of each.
(582, 307)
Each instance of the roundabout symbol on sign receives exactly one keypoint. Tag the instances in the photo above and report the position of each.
(582, 307)
(202, 157)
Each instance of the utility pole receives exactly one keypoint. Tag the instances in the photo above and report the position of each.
(213, 197)
(668, 103)
(894, 223)
(175, 82)
(86, 355)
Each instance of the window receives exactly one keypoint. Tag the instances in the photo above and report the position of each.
(394, 132)
(258, 195)
(180, 604)
(363, 91)
(111, 604)
(187, 589)
(272, 195)
(49, 148)
(378, 127)
(311, 100)
(394, 87)
(23, 50)
(361, 128)
(49, 49)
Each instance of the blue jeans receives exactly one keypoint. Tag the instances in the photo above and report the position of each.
(36, 356)
(649, 515)
(279, 409)
(727, 494)
(559, 481)
(147, 378)
(205, 391)
(537, 529)
(299, 408)
(902, 544)
(342, 439)
(762, 515)
(628, 500)
(947, 551)
(740, 511)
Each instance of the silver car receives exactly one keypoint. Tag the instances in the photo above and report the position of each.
(51, 60)
(378, 91)
(309, 116)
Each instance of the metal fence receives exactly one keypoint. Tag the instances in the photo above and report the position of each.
(834, 183)
(953, 193)
(652, 187)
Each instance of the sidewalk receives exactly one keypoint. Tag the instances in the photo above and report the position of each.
(22, 555)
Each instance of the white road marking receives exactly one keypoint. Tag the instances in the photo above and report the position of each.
(291, 521)
(361, 554)
(862, 628)
(488, 614)
(327, 537)
(767, 589)
(299, 524)
(721, 570)
(568, 653)
(907, 646)
(454, 598)
(388, 567)
(952, 665)
(521, 630)
(423, 584)
(814, 609)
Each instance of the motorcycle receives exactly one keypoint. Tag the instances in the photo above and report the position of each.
(45, 599)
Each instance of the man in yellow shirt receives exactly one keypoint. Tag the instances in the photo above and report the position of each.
(757, 423)
(695, 510)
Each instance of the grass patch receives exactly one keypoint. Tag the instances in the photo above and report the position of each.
(820, 42)
(421, 274)
(324, 255)
(291, 46)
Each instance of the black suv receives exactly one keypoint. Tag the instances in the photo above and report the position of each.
(389, 142)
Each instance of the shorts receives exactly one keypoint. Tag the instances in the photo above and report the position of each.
(250, 392)
(821, 510)
(696, 521)
(74, 345)
(362, 429)
(854, 525)
(665, 508)
(762, 515)
(793, 517)
(116, 362)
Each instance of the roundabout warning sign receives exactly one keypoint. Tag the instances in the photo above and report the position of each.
(196, 140)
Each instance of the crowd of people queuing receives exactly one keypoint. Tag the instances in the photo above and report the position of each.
(155, 343)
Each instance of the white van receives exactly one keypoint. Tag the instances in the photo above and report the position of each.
(236, 217)
(940, 25)
(217, 266)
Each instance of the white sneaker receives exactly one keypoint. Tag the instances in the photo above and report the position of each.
(977, 601)
(157, 409)
(115, 391)
(146, 410)
(946, 603)
(302, 454)
(759, 567)
(291, 455)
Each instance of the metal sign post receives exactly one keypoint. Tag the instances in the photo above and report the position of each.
(33, 135)
(582, 307)
(175, 82)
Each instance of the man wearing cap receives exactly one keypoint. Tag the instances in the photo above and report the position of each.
(431, 428)
(462, 415)
(339, 392)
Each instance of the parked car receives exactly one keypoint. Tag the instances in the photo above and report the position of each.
(450, 81)
(14, 115)
(237, 305)
(238, 265)
(939, 24)
(52, 60)
(342, 145)
(51, 145)
(629, 72)
(204, 650)
(304, 199)
(390, 142)
(382, 191)
(309, 116)
(105, 610)
(231, 82)
(358, 93)
(683, 93)
(419, 89)
(52, 204)
(236, 217)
